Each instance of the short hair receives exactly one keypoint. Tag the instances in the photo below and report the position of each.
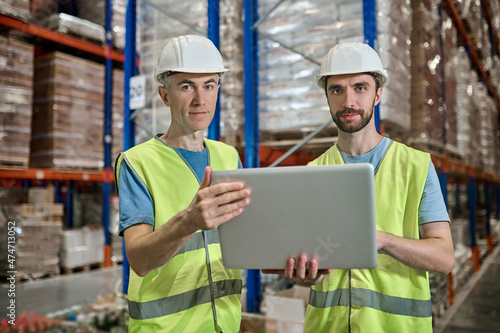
(165, 79)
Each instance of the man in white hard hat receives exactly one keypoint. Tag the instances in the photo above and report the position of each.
(169, 211)
(413, 231)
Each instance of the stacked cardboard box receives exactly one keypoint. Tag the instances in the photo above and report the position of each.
(427, 116)
(95, 11)
(16, 92)
(42, 10)
(68, 113)
(16, 8)
(38, 234)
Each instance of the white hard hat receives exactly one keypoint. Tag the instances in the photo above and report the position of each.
(351, 58)
(189, 54)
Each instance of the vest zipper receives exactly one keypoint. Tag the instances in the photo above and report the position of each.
(218, 329)
(350, 302)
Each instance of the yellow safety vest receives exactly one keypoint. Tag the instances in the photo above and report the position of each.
(393, 297)
(193, 291)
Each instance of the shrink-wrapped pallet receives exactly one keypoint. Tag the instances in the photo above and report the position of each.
(465, 78)
(68, 113)
(295, 37)
(77, 27)
(486, 150)
(449, 38)
(16, 92)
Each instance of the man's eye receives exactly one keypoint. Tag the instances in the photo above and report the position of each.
(361, 88)
(186, 87)
(209, 87)
(336, 91)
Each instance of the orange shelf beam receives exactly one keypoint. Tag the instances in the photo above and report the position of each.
(60, 38)
(50, 174)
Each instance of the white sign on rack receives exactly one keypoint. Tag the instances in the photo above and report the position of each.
(137, 92)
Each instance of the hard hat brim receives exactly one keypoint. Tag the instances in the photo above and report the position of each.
(321, 78)
(220, 71)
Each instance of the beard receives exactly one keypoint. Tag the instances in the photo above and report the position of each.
(352, 126)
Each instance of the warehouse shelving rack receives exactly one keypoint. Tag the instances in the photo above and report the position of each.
(446, 165)
(57, 176)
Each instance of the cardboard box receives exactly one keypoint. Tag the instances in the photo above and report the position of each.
(285, 311)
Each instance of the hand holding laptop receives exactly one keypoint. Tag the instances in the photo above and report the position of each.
(304, 274)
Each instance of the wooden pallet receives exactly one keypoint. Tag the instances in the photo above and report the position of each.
(83, 268)
(7, 161)
(29, 277)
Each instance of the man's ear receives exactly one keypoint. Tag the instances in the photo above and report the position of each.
(163, 95)
(378, 96)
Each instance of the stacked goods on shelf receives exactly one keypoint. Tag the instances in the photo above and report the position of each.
(68, 113)
(95, 11)
(465, 77)
(117, 115)
(427, 116)
(78, 27)
(472, 15)
(461, 243)
(295, 38)
(16, 8)
(232, 93)
(485, 153)
(449, 39)
(114, 222)
(293, 41)
(394, 27)
(16, 90)
(42, 10)
(38, 234)
(82, 248)
(166, 19)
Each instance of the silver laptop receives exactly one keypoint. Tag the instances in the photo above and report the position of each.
(326, 212)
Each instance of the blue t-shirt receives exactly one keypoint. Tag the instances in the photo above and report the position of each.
(136, 204)
(432, 206)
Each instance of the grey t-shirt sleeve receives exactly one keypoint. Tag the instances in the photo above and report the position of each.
(136, 204)
(432, 206)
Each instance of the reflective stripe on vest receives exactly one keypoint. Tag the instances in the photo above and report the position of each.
(169, 305)
(196, 242)
(371, 299)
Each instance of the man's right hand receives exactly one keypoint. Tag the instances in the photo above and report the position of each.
(217, 204)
